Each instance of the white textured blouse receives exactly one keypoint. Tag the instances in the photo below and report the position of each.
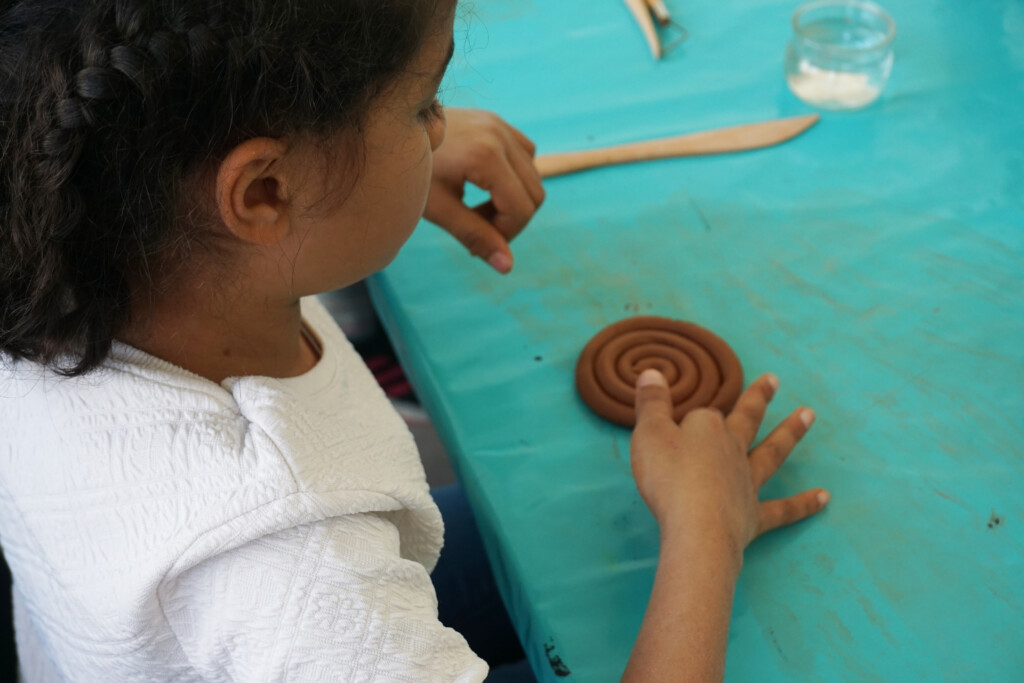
(161, 527)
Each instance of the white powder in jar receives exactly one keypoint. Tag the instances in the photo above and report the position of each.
(832, 89)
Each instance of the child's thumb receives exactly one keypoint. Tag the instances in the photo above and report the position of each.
(653, 400)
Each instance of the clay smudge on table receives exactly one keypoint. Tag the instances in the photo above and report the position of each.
(994, 521)
(557, 665)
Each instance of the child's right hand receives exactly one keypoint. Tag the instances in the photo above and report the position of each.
(702, 474)
(700, 478)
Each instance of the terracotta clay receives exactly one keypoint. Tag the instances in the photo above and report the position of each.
(701, 369)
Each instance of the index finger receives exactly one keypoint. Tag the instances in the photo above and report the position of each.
(527, 170)
(514, 205)
(745, 419)
(526, 142)
(653, 400)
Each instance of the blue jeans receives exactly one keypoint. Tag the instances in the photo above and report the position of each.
(467, 597)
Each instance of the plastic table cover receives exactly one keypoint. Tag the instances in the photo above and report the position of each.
(875, 264)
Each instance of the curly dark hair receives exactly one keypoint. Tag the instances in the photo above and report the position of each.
(107, 106)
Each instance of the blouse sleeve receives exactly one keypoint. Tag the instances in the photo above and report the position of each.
(331, 601)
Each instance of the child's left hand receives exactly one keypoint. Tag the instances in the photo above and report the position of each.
(482, 149)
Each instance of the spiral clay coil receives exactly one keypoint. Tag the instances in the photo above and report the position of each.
(701, 369)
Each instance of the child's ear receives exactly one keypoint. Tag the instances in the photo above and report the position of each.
(252, 191)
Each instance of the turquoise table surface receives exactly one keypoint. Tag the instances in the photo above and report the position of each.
(875, 263)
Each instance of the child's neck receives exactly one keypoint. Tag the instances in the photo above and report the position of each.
(217, 338)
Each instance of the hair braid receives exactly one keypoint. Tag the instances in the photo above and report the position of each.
(106, 106)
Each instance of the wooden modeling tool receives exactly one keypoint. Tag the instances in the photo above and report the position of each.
(642, 11)
(719, 141)
(660, 12)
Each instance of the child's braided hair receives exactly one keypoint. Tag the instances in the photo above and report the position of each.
(106, 106)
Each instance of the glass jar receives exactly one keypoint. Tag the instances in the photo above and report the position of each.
(840, 56)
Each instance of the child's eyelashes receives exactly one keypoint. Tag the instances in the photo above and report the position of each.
(432, 113)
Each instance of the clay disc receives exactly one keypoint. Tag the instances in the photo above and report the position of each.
(701, 370)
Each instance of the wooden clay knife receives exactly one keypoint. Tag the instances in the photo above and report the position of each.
(720, 141)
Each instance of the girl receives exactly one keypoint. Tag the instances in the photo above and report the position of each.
(199, 479)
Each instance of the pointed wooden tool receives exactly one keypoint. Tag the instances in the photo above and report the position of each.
(660, 11)
(720, 141)
(642, 13)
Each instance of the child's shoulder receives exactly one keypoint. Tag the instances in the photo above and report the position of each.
(132, 421)
(129, 386)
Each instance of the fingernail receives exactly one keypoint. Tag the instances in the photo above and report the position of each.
(500, 261)
(823, 497)
(773, 382)
(807, 417)
(650, 377)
